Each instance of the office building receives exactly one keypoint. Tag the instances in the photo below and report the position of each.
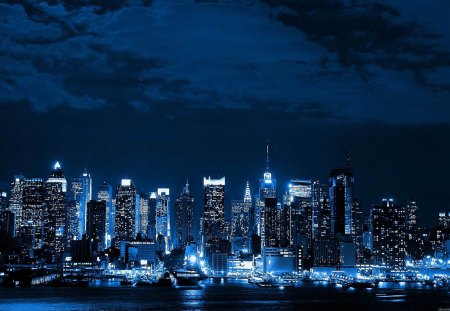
(240, 222)
(214, 209)
(389, 235)
(54, 215)
(341, 201)
(184, 209)
(96, 225)
(163, 227)
(105, 193)
(125, 211)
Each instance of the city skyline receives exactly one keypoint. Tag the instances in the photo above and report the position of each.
(253, 184)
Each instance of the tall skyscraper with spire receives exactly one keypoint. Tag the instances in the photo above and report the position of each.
(267, 189)
(240, 222)
(184, 208)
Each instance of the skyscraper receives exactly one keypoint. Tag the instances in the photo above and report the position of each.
(184, 208)
(55, 189)
(270, 232)
(73, 225)
(240, 222)
(163, 218)
(411, 217)
(96, 224)
(80, 193)
(125, 210)
(151, 231)
(388, 233)
(357, 229)
(16, 200)
(30, 227)
(105, 193)
(267, 189)
(214, 203)
(3, 201)
(300, 203)
(319, 197)
(86, 184)
(341, 201)
(143, 214)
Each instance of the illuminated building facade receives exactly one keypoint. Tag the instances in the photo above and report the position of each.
(358, 229)
(105, 193)
(341, 201)
(16, 200)
(125, 211)
(300, 202)
(389, 235)
(163, 217)
(240, 222)
(55, 190)
(143, 214)
(31, 226)
(214, 203)
(267, 189)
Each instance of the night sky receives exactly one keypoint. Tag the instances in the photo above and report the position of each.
(160, 91)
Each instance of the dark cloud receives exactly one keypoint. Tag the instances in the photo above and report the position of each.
(355, 57)
(366, 33)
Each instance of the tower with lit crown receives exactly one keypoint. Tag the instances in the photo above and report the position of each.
(125, 210)
(240, 222)
(267, 192)
(55, 189)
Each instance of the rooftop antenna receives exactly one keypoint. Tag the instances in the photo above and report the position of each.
(267, 158)
(348, 157)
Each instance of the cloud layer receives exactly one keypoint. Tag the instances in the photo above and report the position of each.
(359, 61)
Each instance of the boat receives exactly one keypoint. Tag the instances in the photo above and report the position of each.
(273, 283)
(361, 283)
(165, 280)
(69, 282)
(188, 277)
(338, 277)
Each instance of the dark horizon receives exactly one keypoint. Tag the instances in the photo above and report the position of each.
(166, 160)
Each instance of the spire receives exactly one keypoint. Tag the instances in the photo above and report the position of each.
(247, 196)
(186, 189)
(57, 166)
(349, 158)
(267, 157)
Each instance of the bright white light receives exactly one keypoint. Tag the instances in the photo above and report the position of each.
(165, 191)
(202, 263)
(192, 259)
(126, 182)
(57, 165)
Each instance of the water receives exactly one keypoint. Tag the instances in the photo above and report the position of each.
(225, 295)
